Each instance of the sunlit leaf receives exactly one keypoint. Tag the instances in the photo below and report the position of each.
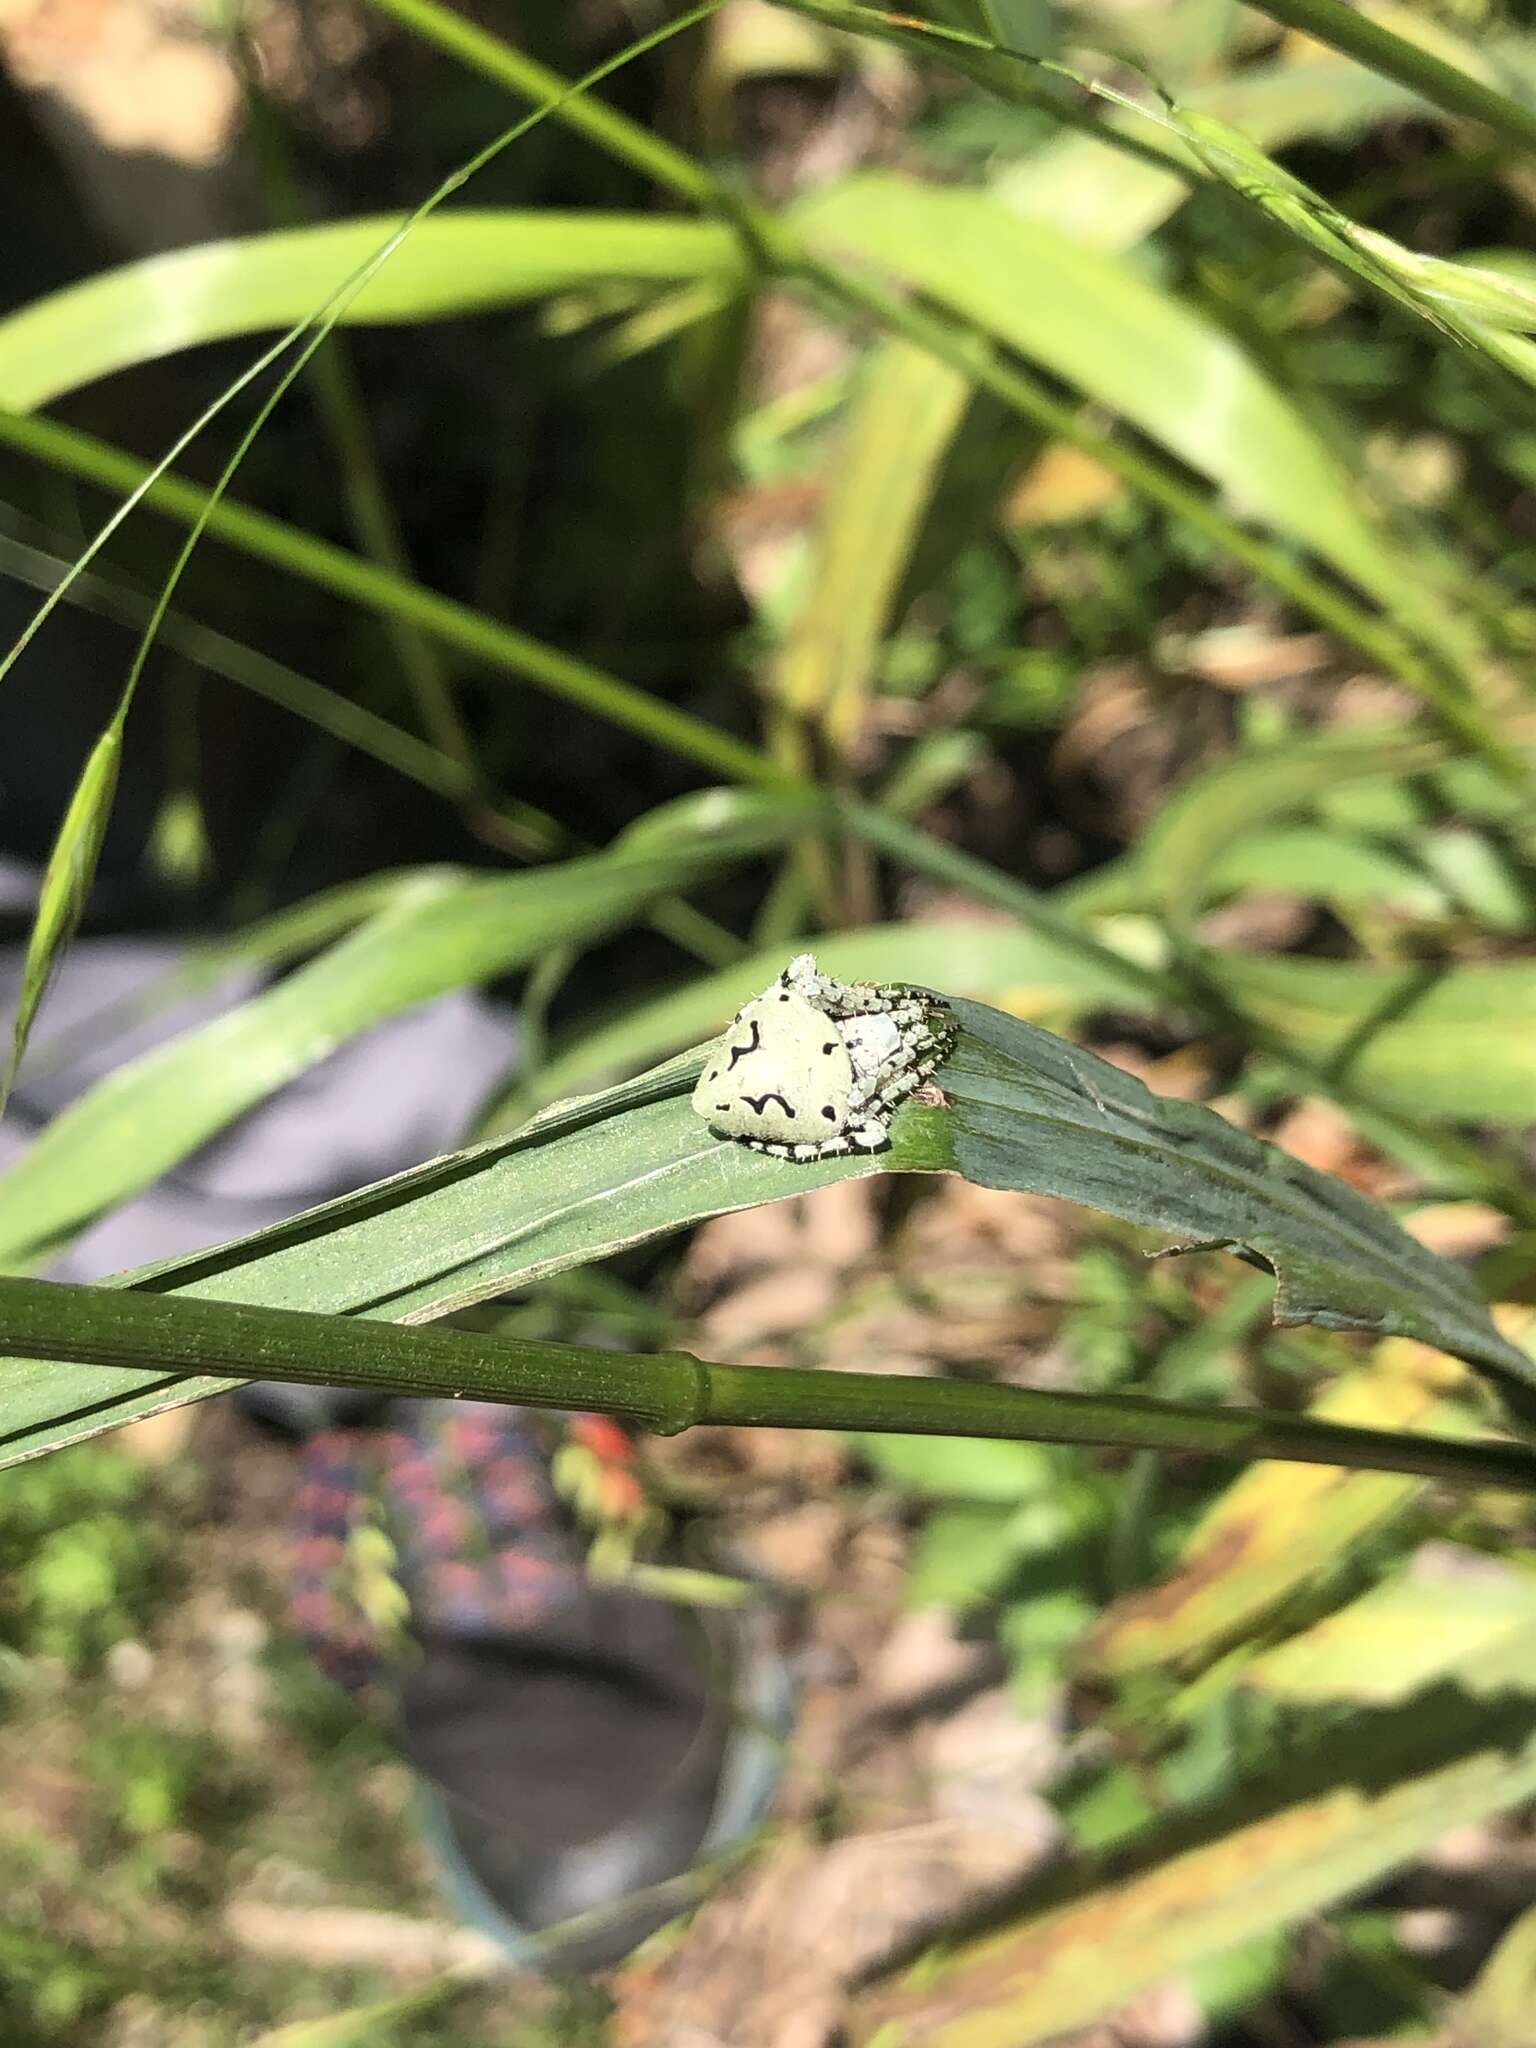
(1120, 340)
(1329, 1823)
(1496, 2012)
(457, 262)
(1274, 1531)
(1449, 1039)
(1200, 821)
(906, 413)
(1475, 1626)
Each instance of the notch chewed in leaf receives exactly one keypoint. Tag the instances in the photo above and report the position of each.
(1034, 1112)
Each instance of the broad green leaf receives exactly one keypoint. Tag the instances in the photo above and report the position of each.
(1275, 1530)
(65, 886)
(1476, 1628)
(443, 931)
(905, 415)
(1032, 1111)
(1023, 1110)
(1123, 342)
(1451, 1041)
(1331, 1823)
(586, 1180)
(1325, 864)
(1198, 824)
(453, 263)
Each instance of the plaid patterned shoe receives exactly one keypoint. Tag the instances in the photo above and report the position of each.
(583, 1749)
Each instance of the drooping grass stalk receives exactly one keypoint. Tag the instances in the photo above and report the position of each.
(672, 1391)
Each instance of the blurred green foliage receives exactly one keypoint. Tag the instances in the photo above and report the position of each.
(1147, 546)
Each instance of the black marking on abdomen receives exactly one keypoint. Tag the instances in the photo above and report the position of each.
(759, 1102)
(739, 1052)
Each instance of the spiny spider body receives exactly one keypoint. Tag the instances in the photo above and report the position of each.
(814, 1067)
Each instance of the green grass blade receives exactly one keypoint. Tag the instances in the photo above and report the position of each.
(1323, 863)
(1024, 1111)
(518, 73)
(1454, 1041)
(1095, 190)
(267, 943)
(233, 660)
(1403, 1637)
(66, 884)
(1177, 855)
(1410, 63)
(1438, 678)
(903, 419)
(441, 933)
(472, 633)
(1092, 321)
(1480, 308)
(467, 261)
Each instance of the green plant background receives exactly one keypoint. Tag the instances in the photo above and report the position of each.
(1167, 558)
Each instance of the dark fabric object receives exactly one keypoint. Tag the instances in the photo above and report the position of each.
(577, 1767)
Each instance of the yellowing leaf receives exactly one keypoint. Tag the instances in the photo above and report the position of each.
(1387, 1788)
(1477, 1628)
(1274, 1530)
